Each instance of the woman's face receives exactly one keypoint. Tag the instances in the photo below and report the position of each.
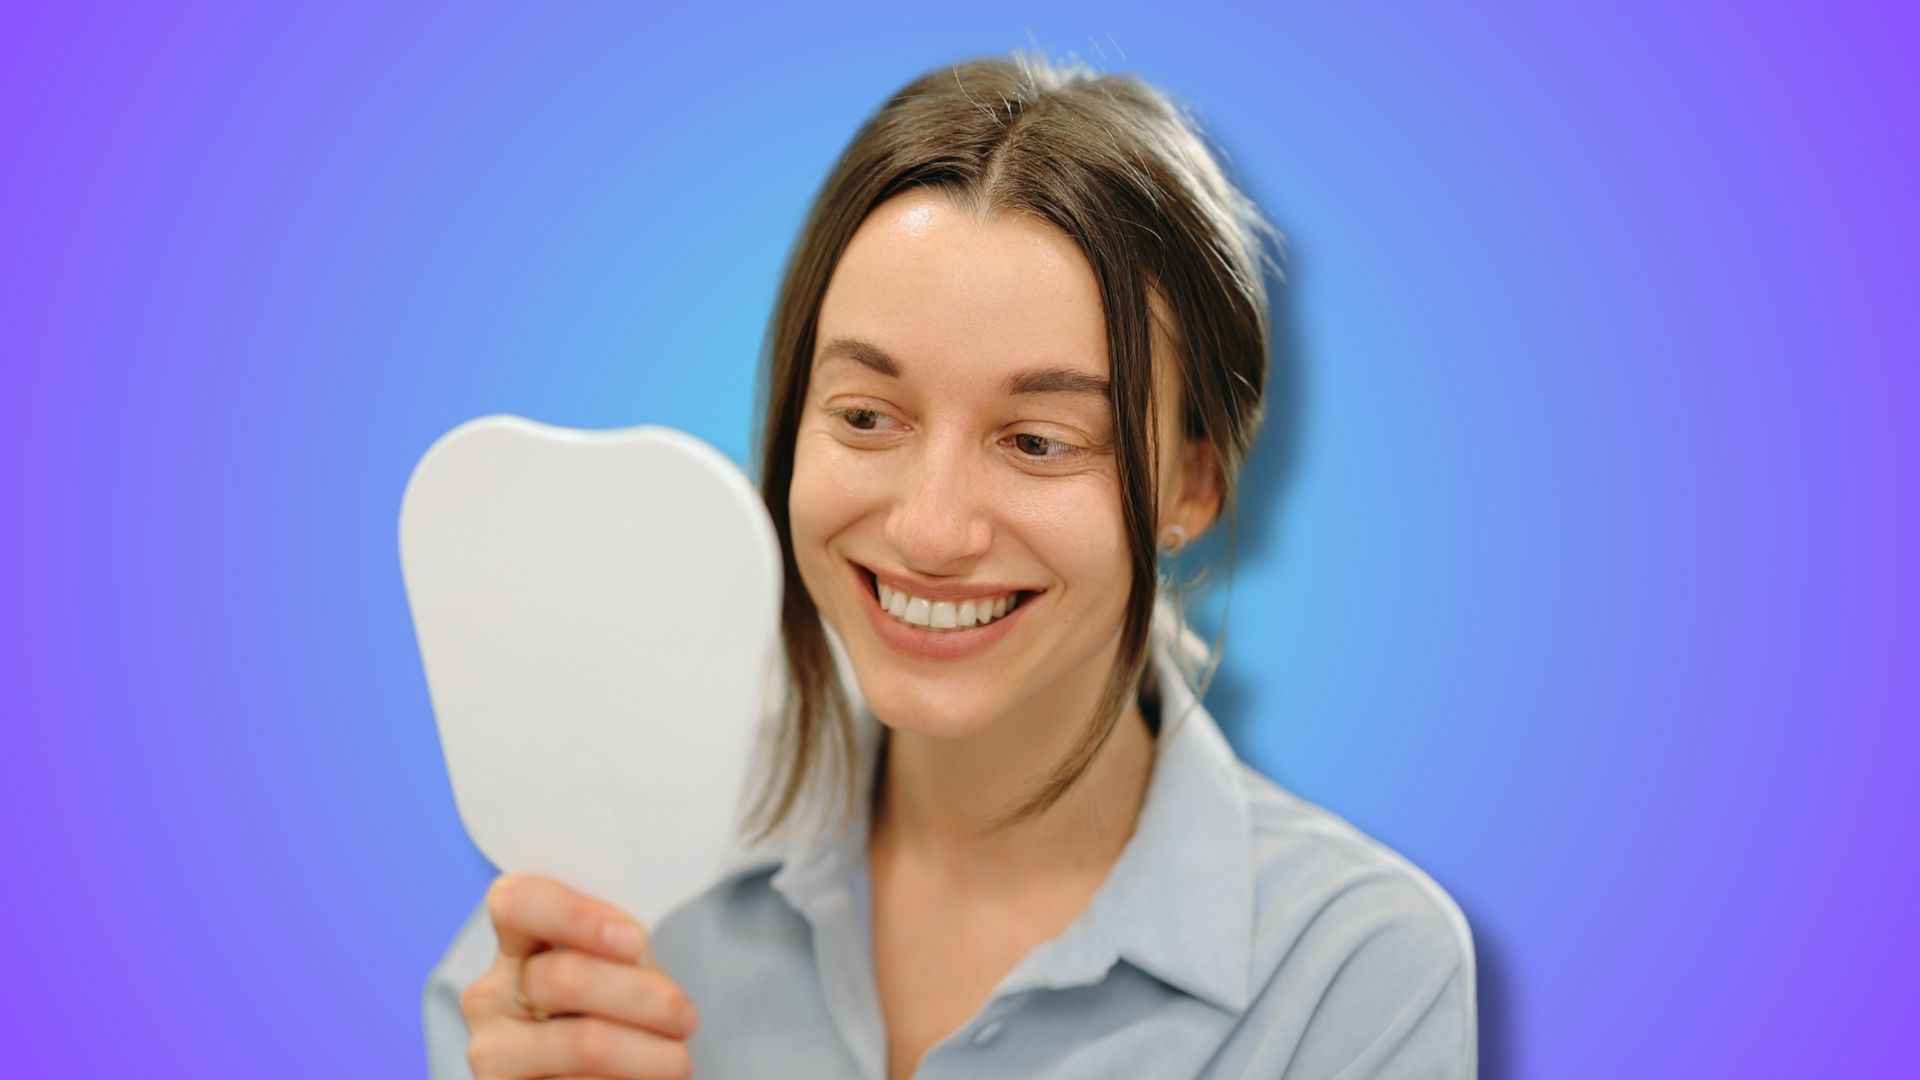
(956, 446)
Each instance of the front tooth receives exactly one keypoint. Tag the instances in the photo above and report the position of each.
(943, 615)
(918, 611)
(964, 617)
(897, 606)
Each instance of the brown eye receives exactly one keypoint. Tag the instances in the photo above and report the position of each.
(1045, 452)
(864, 421)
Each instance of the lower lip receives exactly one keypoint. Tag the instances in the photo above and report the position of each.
(928, 644)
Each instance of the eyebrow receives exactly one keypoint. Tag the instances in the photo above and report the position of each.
(1039, 381)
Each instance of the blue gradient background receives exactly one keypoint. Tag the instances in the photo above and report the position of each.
(1590, 590)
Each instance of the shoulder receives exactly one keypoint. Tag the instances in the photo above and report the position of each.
(1356, 950)
(741, 901)
(1313, 867)
(466, 958)
(747, 959)
(740, 917)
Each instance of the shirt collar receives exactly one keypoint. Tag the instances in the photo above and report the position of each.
(1178, 903)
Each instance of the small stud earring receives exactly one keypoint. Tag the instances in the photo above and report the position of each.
(1173, 538)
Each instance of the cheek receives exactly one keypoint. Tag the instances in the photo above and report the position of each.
(1077, 530)
(825, 496)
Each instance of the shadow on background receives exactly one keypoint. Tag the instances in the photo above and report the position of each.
(1254, 536)
(1249, 533)
(1496, 1033)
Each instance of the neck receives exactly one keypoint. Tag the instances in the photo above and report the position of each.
(939, 798)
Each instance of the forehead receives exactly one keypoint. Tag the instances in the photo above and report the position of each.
(951, 295)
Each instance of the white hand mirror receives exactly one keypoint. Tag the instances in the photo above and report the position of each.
(596, 613)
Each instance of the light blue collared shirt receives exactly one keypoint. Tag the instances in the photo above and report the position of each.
(1242, 932)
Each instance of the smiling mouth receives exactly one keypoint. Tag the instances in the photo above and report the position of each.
(927, 613)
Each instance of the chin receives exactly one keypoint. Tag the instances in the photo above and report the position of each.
(940, 711)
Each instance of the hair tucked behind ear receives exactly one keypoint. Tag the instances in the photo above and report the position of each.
(1115, 165)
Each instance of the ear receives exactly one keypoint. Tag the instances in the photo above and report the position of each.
(1198, 489)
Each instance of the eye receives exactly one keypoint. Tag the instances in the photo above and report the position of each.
(861, 419)
(1041, 448)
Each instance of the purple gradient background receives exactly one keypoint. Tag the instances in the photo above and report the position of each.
(1590, 590)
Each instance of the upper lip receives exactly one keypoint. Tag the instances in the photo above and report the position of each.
(931, 591)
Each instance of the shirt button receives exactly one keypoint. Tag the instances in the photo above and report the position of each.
(986, 1033)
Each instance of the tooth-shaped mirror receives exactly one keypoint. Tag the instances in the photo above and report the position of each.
(596, 613)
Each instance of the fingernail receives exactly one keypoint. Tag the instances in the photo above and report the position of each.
(622, 938)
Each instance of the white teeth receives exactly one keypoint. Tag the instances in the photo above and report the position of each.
(941, 614)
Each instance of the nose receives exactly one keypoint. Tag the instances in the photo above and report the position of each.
(940, 522)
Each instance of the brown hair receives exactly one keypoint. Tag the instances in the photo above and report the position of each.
(1115, 165)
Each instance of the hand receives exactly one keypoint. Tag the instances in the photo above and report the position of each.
(588, 964)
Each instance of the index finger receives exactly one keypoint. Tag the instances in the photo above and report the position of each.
(530, 913)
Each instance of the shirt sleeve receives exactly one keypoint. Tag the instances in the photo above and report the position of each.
(1399, 1004)
(465, 960)
(1429, 1038)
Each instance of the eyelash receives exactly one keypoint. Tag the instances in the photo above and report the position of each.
(1074, 453)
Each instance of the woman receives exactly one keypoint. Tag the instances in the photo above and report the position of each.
(1018, 356)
